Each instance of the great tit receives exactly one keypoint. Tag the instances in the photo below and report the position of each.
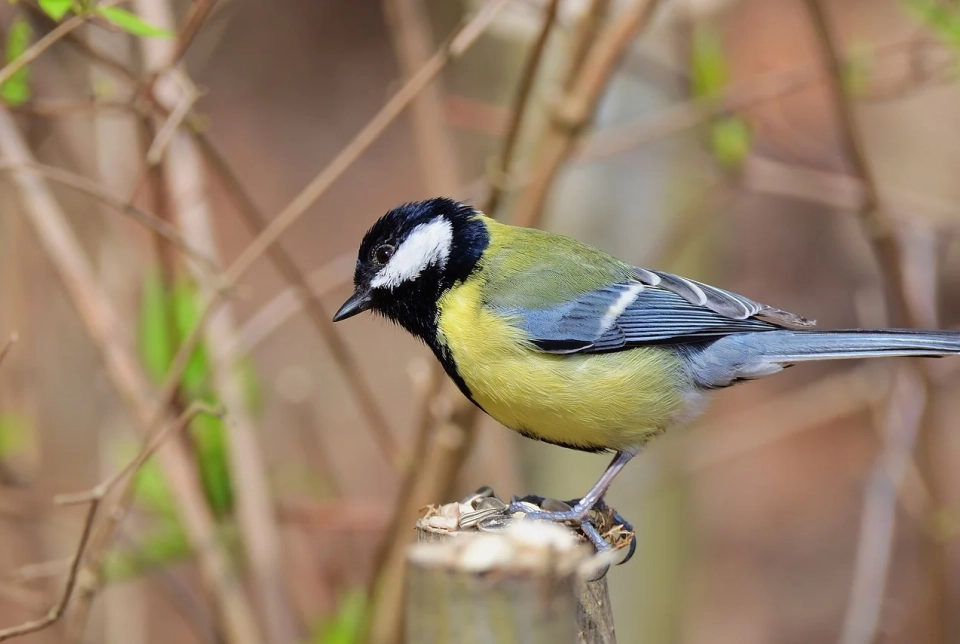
(569, 345)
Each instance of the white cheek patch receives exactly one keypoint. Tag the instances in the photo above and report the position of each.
(426, 245)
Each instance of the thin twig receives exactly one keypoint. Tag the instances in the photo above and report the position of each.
(878, 229)
(576, 108)
(12, 340)
(196, 17)
(92, 188)
(93, 498)
(56, 612)
(687, 114)
(172, 124)
(100, 491)
(56, 109)
(501, 173)
(272, 315)
(302, 295)
(878, 521)
(36, 49)
(459, 42)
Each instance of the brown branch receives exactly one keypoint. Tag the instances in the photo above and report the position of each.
(93, 498)
(688, 114)
(196, 16)
(576, 108)
(105, 61)
(103, 326)
(56, 109)
(148, 449)
(12, 340)
(56, 612)
(878, 229)
(32, 52)
(905, 418)
(500, 175)
(271, 316)
(459, 42)
(306, 297)
(93, 189)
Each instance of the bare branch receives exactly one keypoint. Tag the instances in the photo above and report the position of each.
(877, 523)
(32, 52)
(575, 110)
(56, 612)
(100, 491)
(92, 188)
(499, 176)
(12, 340)
(301, 295)
(196, 16)
(461, 40)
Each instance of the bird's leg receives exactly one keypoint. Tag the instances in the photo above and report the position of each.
(584, 505)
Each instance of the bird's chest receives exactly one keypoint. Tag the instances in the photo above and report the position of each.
(590, 401)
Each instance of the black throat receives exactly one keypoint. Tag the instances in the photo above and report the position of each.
(413, 305)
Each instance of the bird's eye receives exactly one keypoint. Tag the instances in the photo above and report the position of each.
(383, 253)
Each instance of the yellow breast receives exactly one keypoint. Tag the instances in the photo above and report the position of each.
(611, 400)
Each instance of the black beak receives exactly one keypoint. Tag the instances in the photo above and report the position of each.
(357, 303)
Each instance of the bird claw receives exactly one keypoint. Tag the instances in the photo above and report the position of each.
(584, 517)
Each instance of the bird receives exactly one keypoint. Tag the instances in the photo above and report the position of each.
(569, 345)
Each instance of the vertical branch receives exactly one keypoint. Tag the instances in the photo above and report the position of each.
(576, 107)
(878, 228)
(183, 172)
(528, 78)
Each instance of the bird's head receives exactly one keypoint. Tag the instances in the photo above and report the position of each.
(410, 256)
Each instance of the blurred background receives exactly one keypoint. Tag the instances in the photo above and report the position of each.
(801, 152)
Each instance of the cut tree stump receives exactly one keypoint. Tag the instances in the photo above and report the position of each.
(529, 582)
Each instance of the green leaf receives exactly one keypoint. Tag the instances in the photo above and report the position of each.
(153, 334)
(150, 488)
(158, 342)
(15, 435)
(163, 545)
(16, 89)
(209, 437)
(132, 23)
(858, 69)
(56, 9)
(942, 19)
(346, 625)
(709, 72)
(730, 141)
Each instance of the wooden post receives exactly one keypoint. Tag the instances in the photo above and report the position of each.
(527, 583)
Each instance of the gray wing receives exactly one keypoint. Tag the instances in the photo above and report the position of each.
(654, 308)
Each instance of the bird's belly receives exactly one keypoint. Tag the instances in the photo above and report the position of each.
(590, 401)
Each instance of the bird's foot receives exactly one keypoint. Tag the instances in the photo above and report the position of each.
(595, 521)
